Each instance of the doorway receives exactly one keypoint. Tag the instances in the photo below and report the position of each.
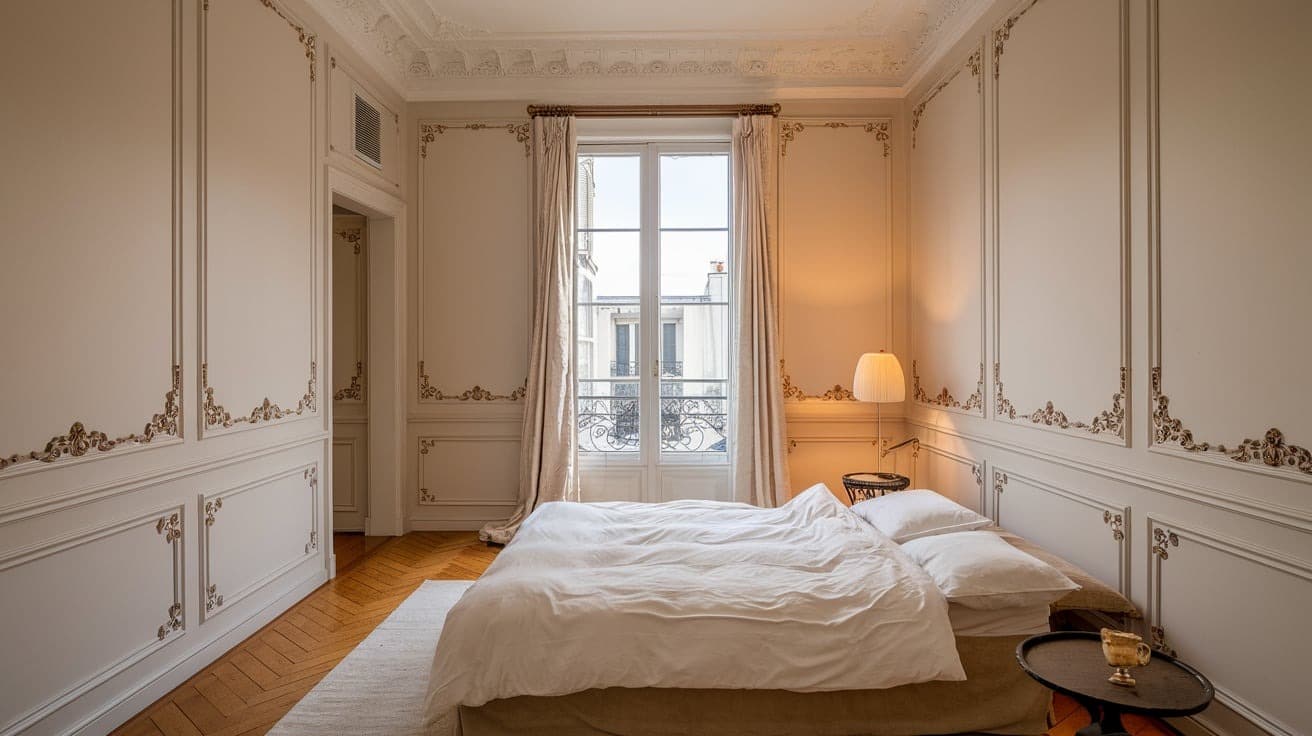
(350, 352)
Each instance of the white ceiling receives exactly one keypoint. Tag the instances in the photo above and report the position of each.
(517, 49)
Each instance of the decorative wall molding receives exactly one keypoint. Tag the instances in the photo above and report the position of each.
(1002, 34)
(427, 497)
(428, 133)
(793, 391)
(80, 441)
(973, 403)
(972, 63)
(976, 470)
(150, 640)
(1107, 425)
(216, 416)
(267, 411)
(429, 392)
(1165, 536)
(354, 237)
(1270, 454)
(789, 129)
(209, 505)
(169, 527)
(1111, 515)
(1270, 451)
(1111, 421)
(355, 390)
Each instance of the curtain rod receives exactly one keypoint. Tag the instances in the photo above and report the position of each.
(651, 111)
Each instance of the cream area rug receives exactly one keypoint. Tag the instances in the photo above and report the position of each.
(379, 689)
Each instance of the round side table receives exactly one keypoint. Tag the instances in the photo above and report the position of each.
(862, 486)
(1071, 663)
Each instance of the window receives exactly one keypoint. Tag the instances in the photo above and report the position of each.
(652, 301)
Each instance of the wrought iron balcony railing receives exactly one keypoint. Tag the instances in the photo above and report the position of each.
(688, 424)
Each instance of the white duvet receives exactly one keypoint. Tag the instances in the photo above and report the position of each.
(693, 594)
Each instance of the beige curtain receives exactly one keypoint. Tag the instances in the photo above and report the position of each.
(760, 459)
(548, 447)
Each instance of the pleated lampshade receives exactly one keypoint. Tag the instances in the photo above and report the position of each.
(879, 378)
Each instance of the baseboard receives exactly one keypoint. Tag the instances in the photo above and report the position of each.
(448, 525)
(115, 714)
(1219, 720)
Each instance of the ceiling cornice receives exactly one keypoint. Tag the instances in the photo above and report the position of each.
(430, 58)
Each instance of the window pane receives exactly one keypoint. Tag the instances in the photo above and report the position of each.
(694, 416)
(695, 190)
(609, 416)
(701, 341)
(694, 266)
(608, 191)
(608, 341)
(608, 267)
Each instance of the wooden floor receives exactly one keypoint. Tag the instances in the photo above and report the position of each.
(250, 688)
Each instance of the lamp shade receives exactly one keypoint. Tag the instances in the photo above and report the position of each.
(879, 378)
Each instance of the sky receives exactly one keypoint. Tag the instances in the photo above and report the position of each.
(694, 194)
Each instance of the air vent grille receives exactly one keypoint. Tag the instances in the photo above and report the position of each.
(368, 136)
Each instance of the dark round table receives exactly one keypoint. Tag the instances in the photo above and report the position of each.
(1071, 663)
(862, 486)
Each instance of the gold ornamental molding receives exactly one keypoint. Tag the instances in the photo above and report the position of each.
(1117, 522)
(429, 392)
(1163, 539)
(307, 39)
(973, 403)
(267, 411)
(1002, 34)
(212, 598)
(793, 391)
(1109, 421)
(211, 509)
(354, 237)
(169, 527)
(972, 63)
(428, 133)
(80, 441)
(173, 624)
(1271, 450)
(789, 129)
(355, 390)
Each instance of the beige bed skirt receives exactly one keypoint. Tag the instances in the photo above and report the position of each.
(996, 697)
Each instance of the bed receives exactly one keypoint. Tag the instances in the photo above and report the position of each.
(724, 619)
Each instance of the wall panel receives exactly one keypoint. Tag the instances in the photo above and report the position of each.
(835, 250)
(128, 572)
(947, 245)
(96, 212)
(472, 268)
(1229, 242)
(258, 261)
(255, 532)
(1059, 106)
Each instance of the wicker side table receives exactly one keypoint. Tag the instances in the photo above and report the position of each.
(862, 486)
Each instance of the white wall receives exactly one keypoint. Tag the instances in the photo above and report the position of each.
(1107, 208)
(166, 381)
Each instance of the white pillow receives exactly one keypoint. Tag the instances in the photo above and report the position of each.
(907, 515)
(980, 570)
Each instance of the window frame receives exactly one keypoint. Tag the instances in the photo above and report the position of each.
(648, 347)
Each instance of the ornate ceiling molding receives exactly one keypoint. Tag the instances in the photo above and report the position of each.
(1109, 421)
(1270, 450)
(267, 411)
(411, 42)
(80, 441)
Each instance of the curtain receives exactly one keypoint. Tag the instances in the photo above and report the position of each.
(548, 444)
(760, 466)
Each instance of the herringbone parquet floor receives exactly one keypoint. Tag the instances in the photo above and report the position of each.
(251, 687)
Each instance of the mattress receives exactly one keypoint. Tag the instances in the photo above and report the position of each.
(1017, 621)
